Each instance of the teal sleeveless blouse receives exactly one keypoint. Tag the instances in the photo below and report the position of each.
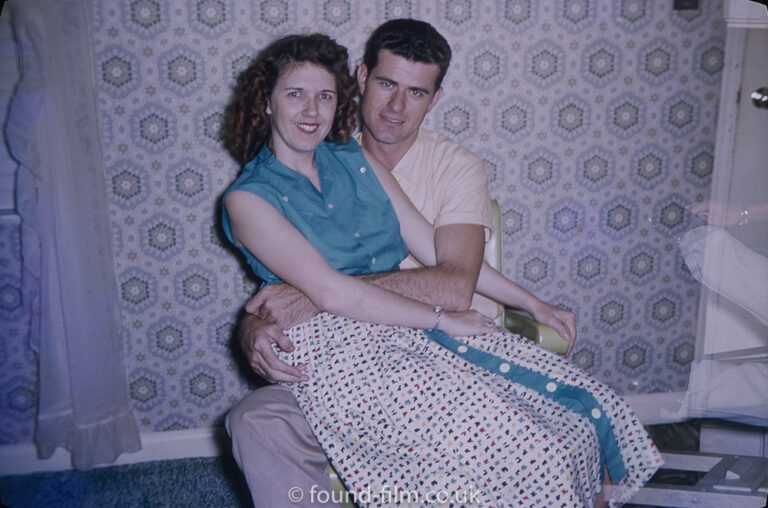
(350, 221)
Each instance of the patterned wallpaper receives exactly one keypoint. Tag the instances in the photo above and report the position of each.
(596, 121)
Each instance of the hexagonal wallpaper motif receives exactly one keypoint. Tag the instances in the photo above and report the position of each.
(596, 122)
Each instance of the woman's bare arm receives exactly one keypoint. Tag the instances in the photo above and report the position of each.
(270, 237)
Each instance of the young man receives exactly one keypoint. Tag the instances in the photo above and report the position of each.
(400, 80)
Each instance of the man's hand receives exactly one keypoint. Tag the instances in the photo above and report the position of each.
(282, 305)
(560, 319)
(256, 337)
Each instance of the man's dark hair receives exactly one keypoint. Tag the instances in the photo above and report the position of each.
(414, 40)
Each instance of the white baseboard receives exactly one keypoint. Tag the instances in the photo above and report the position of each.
(173, 444)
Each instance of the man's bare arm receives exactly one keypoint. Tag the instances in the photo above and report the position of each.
(450, 283)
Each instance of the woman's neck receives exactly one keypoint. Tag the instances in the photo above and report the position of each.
(302, 163)
(310, 171)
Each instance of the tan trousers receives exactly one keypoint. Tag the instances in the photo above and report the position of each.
(276, 450)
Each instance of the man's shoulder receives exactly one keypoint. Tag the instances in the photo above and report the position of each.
(435, 139)
(436, 142)
(441, 149)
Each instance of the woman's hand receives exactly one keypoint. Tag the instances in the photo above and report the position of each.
(560, 319)
(468, 322)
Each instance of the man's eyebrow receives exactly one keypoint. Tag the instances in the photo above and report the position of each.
(301, 89)
(384, 78)
(416, 88)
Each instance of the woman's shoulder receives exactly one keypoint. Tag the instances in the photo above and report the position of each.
(262, 176)
(350, 147)
(250, 175)
(349, 154)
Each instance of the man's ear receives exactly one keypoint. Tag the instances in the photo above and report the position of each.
(435, 97)
(362, 77)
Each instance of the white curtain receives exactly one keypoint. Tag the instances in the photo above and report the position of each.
(69, 284)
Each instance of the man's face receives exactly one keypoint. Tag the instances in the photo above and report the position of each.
(396, 95)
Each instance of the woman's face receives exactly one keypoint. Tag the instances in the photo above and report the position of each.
(302, 107)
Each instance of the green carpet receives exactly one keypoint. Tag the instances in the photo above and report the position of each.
(201, 481)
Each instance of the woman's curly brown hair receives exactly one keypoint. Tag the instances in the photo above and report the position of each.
(246, 125)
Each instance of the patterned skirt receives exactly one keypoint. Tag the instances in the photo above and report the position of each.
(415, 417)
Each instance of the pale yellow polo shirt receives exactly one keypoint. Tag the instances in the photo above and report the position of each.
(448, 185)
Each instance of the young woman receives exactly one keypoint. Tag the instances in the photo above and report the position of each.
(405, 411)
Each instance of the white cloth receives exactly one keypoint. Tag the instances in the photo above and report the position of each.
(733, 389)
(69, 284)
(732, 269)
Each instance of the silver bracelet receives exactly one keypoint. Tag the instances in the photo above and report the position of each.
(438, 314)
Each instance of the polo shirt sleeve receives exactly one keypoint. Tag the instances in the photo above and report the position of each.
(463, 190)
